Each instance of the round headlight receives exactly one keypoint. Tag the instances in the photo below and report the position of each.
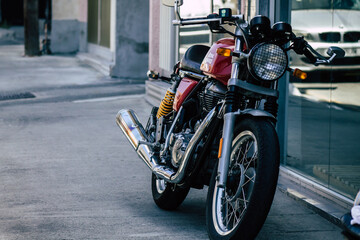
(267, 62)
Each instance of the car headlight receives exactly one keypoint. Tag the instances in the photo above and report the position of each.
(267, 62)
(308, 36)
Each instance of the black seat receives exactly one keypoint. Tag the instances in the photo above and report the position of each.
(193, 57)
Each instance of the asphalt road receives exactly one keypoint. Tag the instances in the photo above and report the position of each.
(67, 172)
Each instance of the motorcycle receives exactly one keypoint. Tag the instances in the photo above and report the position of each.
(215, 126)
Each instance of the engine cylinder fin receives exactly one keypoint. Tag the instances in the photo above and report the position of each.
(209, 98)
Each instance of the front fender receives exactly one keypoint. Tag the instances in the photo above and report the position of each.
(256, 113)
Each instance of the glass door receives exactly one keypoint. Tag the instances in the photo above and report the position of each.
(99, 12)
(344, 169)
(324, 116)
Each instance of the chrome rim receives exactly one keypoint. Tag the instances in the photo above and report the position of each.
(230, 204)
(160, 185)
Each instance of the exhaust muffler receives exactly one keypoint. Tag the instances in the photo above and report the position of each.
(128, 122)
(130, 125)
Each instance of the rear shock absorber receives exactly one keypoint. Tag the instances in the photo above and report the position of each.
(166, 104)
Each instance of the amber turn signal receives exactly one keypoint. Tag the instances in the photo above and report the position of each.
(223, 52)
(220, 147)
(299, 74)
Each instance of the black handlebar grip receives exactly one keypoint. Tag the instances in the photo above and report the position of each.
(309, 56)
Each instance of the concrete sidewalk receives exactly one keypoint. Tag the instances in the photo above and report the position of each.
(291, 216)
(20, 73)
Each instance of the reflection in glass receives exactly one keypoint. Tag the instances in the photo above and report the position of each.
(200, 34)
(326, 4)
(324, 110)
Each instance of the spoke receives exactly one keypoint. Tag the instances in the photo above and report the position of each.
(235, 221)
(242, 212)
(244, 153)
(248, 147)
(236, 218)
(243, 207)
(231, 214)
(226, 215)
(238, 155)
(244, 197)
(247, 167)
(235, 210)
(244, 201)
(252, 159)
(252, 179)
(253, 156)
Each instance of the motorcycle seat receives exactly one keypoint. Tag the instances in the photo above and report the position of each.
(193, 57)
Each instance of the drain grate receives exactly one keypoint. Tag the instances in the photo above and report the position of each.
(15, 96)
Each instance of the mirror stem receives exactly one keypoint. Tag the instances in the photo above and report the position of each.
(176, 8)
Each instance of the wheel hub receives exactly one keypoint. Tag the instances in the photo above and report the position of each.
(236, 181)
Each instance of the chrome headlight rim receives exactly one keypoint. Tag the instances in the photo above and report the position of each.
(274, 51)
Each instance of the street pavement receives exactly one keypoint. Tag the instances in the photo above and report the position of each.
(67, 171)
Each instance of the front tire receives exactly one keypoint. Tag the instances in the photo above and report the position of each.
(167, 196)
(239, 210)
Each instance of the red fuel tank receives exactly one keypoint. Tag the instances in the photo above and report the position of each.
(185, 87)
(216, 66)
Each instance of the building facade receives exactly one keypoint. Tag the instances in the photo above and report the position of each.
(112, 33)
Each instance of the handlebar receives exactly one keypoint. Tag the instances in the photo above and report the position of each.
(206, 20)
(301, 46)
(193, 21)
(310, 56)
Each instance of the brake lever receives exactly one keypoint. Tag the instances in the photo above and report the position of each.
(301, 46)
(323, 61)
(333, 52)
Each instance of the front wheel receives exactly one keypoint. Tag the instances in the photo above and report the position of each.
(239, 210)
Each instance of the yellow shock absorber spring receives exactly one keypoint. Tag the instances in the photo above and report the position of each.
(166, 104)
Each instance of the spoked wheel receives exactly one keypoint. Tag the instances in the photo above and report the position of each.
(239, 210)
(167, 196)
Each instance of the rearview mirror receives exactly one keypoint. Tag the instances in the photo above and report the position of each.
(336, 50)
(171, 3)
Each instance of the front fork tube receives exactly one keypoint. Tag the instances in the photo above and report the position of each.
(229, 117)
(224, 161)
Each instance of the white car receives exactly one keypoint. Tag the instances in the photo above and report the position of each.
(326, 23)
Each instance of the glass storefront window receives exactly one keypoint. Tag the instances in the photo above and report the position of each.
(326, 4)
(324, 110)
(200, 34)
(194, 34)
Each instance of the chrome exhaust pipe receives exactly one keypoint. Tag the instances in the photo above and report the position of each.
(130, 125)
(128, 122)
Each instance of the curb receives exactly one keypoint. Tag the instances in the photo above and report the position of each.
(326, 203)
